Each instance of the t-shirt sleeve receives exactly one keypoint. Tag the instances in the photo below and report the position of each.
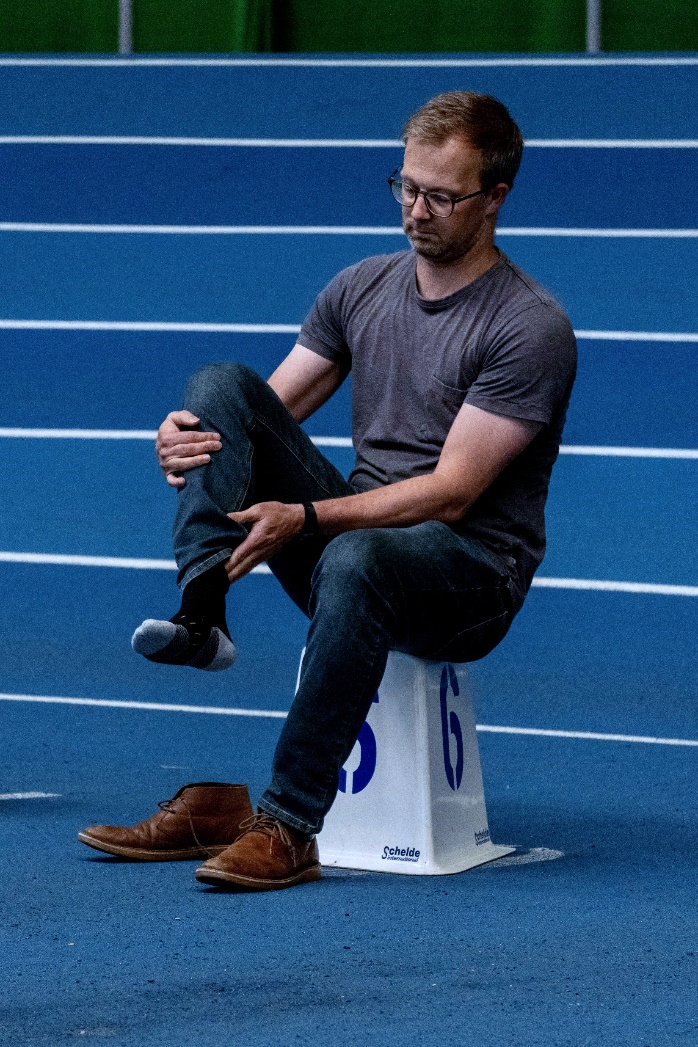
(528, 367)
(323, 329)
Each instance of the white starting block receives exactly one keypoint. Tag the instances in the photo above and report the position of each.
(410, 796)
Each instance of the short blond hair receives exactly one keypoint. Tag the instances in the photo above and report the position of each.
(480, 120)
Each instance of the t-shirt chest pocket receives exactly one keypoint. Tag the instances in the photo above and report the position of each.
(443, 402)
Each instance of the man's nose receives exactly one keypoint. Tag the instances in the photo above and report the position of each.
(419, 209)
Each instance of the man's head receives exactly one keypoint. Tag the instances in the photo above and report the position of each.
(461, 145)
(481, 121)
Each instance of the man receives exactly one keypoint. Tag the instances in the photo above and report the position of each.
(462, 370)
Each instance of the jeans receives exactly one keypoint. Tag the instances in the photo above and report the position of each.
(424, 590)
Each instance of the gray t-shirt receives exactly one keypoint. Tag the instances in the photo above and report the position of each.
(502, 344)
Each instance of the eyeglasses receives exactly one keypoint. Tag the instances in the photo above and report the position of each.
(439, 204)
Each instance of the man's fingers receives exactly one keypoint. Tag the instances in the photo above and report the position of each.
(242, 562)
(180, 465)
(254, 549)
(245, 553)
(178, 456)
(179, 447)
(245, 516)
(271, 525)
(182, 418)
(186, 438)
(177, 427)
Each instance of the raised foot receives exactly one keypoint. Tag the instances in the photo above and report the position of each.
(184, 642)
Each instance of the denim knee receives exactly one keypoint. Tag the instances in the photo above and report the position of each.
(352, 564)
(231, 379)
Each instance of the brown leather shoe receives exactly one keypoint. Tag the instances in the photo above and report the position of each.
(265, 857)
(201, 820)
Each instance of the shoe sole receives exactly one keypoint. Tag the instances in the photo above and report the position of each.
(219, 878)
(152, 856)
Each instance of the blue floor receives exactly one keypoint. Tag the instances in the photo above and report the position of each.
(326, 186)
(116, 380)
(121, 480)
(592, 947)
(586, 936)
(268, 99)
(215, 278)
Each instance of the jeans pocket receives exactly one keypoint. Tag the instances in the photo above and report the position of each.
(461, 625)
(475, 642)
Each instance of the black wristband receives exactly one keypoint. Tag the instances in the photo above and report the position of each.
(311, 527)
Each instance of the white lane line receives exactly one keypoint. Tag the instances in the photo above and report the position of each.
(26, 796)
(591, 736)
(327, 230)
(361, 63)
(206, 230)
(131, 434)
(592, 585)
(79, 434)
(126, 562)
(147, 325)
(205, 328)
(612, 143)
(66, 560)
(625, 452)
(676, 234)
(332, 143)
(331, 441)
(224, 143)
(70, 560)
(213, 710)
(631, 336)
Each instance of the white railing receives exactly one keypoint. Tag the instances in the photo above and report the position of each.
(125, 27)
(593, 26)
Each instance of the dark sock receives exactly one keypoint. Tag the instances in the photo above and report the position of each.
(203, 599)
(198, 634)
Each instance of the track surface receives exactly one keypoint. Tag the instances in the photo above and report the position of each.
(587, 936)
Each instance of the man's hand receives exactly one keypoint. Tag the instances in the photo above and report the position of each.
(271, 525)
(179, 448)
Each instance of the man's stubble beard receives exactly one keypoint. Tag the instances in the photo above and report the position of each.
(438, 251)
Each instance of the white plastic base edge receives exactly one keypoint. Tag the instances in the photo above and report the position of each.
(488, 853)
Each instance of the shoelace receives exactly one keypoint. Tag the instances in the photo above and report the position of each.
(265, 823)
(166, 806)
(261, 822)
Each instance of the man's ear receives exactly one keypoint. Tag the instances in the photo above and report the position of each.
(495, 197)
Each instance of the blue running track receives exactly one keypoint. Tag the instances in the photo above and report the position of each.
(156, 214)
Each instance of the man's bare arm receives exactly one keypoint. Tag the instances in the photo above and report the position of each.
(478, 447)
(304, 381)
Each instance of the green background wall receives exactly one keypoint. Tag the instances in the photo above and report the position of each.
(346, 25)
(435, 25)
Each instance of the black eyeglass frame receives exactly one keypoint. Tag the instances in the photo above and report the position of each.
(393, 181)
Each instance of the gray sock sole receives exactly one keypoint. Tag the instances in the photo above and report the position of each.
(168, 644)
